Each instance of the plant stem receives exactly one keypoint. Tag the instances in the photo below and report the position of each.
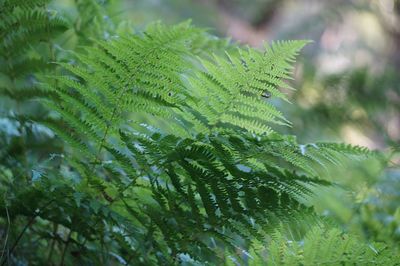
(53, 242)
(65, 248)
(30, 222)
(7, 233)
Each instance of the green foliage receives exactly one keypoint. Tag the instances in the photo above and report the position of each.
(233, 91)
(380, 212)
(163, 152)
(352, 100)
(209, 183)
(323, 246)
(27, 30)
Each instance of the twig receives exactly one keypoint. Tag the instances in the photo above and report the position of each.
(65, 248)
(30, 222)
(7, 233)
(53, 242)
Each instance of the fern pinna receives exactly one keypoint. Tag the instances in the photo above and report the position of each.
(177, 148)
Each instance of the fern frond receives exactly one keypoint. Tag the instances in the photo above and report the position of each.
(26, 5)
(233, 89)
(225, 192)
(216, 175)
(324, 246)
(136, 74)
(20, 28)
(23, 26)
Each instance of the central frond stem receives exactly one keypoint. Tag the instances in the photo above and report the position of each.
(109, 125)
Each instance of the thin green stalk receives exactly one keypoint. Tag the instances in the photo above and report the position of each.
(30, 222)
(53, 242)
(65, 248)
(7, 233)
(21, 234)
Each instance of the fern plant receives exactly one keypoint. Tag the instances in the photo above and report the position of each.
(322, 246)
(219, 174)
(167, 151)
(28, 30)
(32, 33)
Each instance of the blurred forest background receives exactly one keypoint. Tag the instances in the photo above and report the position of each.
(347, 81)
(347, 87)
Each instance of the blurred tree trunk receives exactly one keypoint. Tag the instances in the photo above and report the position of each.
(390, 21)
(396, 35)
(250, 31)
